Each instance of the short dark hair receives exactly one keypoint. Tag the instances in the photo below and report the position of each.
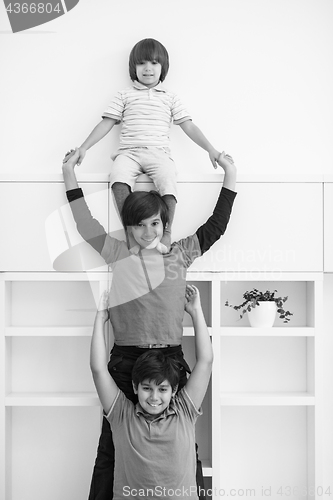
(153, 365)
(148, 50)
(140, 205)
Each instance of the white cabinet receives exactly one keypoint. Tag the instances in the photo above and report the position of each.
(261, 428)
(275, 227)
(268, 422)
(37, 225)
(264, 400)
(266, 389)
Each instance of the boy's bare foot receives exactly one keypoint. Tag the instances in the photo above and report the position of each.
(165, 243)
(161, 248)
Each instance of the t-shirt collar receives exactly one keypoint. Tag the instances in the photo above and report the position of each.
(139, 86)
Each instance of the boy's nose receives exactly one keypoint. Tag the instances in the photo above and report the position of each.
(149, 231)
(154, 394)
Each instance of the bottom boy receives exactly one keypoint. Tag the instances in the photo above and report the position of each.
(154, 439)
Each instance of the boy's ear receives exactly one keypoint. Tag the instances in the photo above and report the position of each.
(135, 389)
(175, 390)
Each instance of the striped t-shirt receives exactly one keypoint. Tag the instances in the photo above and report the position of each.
(146, 115)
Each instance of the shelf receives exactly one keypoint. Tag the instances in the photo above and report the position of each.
(55, 276)
(244, 331)
(267, 399)
(52, 399)
(207, 468)
(280, 177)
(48, 331)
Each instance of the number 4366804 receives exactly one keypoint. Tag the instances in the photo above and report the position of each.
(33, 8)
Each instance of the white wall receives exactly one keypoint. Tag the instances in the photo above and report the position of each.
(256, 76)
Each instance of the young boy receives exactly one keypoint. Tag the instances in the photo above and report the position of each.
(146, 111)
(154, 439)
(146, 297)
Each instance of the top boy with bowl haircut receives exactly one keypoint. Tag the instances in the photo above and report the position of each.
(146, 110)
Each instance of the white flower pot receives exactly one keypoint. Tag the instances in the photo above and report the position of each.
(263, 315)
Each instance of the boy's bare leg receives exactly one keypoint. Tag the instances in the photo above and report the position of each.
(120, 192)
(171, 201)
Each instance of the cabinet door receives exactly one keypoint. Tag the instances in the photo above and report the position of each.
(37, 226)
(328, 229)
(273, 227)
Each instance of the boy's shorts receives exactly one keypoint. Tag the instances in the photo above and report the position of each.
(155, 162)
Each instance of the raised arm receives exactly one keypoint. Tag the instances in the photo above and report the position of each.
(89, 228)
(197, 383)
(217, 223)
(230, 172)
(105, 385)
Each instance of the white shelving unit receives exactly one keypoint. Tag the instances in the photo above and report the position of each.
(262, 376)
(261, 429)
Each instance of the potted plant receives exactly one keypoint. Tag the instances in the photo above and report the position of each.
(262, 307)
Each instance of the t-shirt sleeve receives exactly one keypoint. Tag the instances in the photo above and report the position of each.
(88, 227)
(186, 404)
(115, 109)
(188, 250)
(121, 409)
(217, 223)
(179, 112)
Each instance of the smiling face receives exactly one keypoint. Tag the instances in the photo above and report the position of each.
(153, 398)
(148, 73)
(148, 232)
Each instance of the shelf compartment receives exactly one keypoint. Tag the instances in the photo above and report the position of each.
(56, 303)
(266, 448)
(53, 448)
(266, 364)
(48, 364)
(301, 302)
